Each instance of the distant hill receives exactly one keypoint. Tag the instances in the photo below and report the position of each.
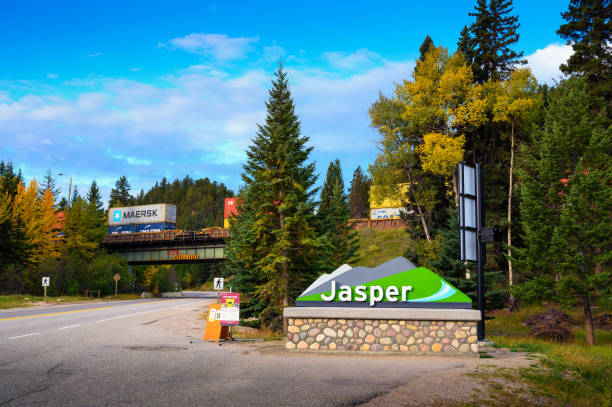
(378, 246)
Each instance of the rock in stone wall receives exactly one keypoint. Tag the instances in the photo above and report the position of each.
(382, 335)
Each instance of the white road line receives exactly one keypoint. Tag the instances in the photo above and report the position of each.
(69, 326)
(140, 313)
(21, 336)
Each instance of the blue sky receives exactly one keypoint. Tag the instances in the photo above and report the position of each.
(152, 89)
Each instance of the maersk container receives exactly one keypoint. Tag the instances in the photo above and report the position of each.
(120, 229)
(132, 215)
(154, 227)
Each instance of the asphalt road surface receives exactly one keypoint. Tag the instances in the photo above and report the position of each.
(133, 353)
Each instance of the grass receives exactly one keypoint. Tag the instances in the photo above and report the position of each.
(572, 373)
(378, 246)
(22, 300)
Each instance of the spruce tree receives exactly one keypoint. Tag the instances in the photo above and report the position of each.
(120, 195)
(93, 196)
(279, 191)
(359, 195)
(425, 47)
(566, 204)
(588, 29)
(486, 44)
(48, 184)
(333, 215)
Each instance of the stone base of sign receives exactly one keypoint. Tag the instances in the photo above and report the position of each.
(415, 330)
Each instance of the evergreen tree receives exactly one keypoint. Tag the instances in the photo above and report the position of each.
(120, 195)
(359, 195)
(588, 29)
(75, 195)
(94, 198)
(279, 189)
(425, 47)
(566, 203)
(332, 218)
(334, 175)
(486, 44)
(48, 184)
(62, 204)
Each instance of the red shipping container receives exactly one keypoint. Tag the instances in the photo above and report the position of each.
(230, 207)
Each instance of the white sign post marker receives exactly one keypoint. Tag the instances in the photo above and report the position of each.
(218, 285)
(45, 284)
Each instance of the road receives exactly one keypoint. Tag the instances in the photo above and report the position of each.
(137, 353)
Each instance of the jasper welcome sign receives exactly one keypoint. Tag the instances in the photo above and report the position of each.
(396, 283)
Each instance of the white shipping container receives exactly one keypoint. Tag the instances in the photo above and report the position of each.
(132, 215)
(385, 213)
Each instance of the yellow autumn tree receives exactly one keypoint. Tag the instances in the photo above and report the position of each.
(434, 102)
(419, 133)
(35, 219)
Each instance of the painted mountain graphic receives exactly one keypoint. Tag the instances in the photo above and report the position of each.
(411, 286)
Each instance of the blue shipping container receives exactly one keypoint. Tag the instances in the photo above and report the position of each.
(120, 229)
(154, 227)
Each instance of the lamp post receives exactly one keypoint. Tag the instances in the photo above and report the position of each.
(69, 188)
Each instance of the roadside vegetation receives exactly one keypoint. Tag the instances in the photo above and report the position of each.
(568, 373)
(15, 301)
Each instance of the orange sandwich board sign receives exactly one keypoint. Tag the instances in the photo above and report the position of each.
(214, 331)
(230, 309)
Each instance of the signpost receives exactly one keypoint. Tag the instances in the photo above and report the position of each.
(116, 277)
(472, 233)
(218, 285)
(45, 284)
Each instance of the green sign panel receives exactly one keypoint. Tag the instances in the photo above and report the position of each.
(396, 283)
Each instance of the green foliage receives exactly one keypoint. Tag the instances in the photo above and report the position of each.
(567, 201)
(101, 271)
(359, 195)
(588, 29)
(48, 183)
(120, 195)
(332, 222)
(276, 224)
(199, 202)
(486, 43)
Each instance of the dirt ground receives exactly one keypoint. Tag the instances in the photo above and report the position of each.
(475, 381)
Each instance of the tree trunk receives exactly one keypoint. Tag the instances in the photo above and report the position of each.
(588, 321)
(456, 187)
(284, 272)
(419, 209)
(510, 271)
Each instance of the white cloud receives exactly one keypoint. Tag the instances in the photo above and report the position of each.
(218, 46)
(199, 125)
(52, 76)
(94, 54)
(360, 59)
(273, 53)
(544, 62)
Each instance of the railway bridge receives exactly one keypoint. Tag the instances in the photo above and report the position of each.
(169, 247)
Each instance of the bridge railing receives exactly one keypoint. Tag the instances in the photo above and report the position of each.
(167, 236)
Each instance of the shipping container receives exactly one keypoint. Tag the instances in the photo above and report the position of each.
(132, 215)
(154, 227)
(230, 208)
(385, 213)
(120, 229)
